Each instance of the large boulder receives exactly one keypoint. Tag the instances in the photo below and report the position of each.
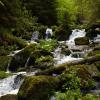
(38, 88)
(82, 41)
(19, 60)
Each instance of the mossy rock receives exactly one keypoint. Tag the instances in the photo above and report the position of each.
(44, 62)
(48, 45)
(10, 42)
(38, 88)
(19, 60)
(9, 97)
(4, 61)
(91, 96)
(82, 41)
(32, 52)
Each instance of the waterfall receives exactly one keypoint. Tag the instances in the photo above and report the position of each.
(35, 36)
(60, 58)
(75, 34)
(48, 33)
(27, 61)
(26, 64)
(8, 71)
(13, 53)
(97, 39)
(11, 84)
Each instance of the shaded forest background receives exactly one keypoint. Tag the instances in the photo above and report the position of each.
(20, 17)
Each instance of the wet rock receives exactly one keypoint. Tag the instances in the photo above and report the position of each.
(19, 60)
(82, 41)
(38, 88)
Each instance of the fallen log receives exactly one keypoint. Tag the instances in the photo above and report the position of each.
(58, 69)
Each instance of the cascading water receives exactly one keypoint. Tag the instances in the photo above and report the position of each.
(75, 34)
(26, 64)
(60, 58)
(97, 39)
(8, 71)
(35, 36)
(11, 84)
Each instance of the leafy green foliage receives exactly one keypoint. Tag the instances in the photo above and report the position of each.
(68, 95)
(48, 45)
(44, 59)
(75, 95)
(66, 11)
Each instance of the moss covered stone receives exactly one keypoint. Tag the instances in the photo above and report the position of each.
(32, 55)
(38, 88)
(4, 61)
(19, 60)
(4, 74)
(82, 41)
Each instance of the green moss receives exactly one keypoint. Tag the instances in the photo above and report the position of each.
(82, 41)
(91, 97)
(19, 60)
(95, 51)
(45, 61)
(9, 40)
(4, 75)
(48, 45)
(4, 60)
(68, 95)
(37, 88)
(76, 95)
(9, 97)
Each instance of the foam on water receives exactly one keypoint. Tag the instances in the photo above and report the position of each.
(60, 58)
(11, 84)
(6, 85)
